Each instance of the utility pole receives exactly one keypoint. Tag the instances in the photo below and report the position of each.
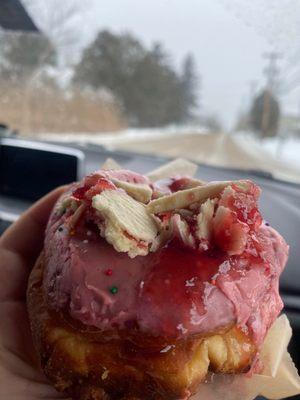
(271, 72)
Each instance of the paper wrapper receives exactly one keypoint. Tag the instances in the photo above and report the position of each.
(279, 378)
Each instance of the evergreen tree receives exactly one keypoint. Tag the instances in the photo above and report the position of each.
(148, 88)
(109, 62)
(155, 95)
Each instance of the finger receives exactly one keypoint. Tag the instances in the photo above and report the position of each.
(14, 273)
(25, 237)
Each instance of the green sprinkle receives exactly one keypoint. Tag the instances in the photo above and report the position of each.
(113, 290)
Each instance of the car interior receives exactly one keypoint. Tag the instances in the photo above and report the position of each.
(32, 166)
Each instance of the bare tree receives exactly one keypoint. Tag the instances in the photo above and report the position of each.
(60, 21)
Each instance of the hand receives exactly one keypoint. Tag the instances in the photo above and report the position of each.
(20, 245)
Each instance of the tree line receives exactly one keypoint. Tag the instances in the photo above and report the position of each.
(143, 81)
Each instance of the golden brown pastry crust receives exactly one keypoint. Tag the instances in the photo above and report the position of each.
(88, 364)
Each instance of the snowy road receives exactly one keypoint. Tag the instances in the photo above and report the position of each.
(281, 158)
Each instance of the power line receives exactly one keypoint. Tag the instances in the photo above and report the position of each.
(272, 71)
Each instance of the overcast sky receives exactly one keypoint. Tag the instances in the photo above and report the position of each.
(227, 38)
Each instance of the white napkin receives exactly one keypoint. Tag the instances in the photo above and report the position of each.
(279, 378)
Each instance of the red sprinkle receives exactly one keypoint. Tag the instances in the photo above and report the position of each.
(108, 272)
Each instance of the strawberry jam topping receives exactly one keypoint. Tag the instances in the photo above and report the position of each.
(173, 299)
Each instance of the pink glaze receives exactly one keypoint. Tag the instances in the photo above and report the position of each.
(175, 292)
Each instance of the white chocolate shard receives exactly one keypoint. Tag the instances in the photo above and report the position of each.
(179, 166)
(110, 163)
(139, 191)
(128, 227)
(77, 215)
(184, 198)
(161, 189)
(180, 228)
(66, 202)
(205, 220)
(195, 183)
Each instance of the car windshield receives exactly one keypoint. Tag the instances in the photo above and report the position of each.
(216, 82)
(154, 148)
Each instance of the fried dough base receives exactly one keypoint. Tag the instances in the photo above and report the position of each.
(88, 364)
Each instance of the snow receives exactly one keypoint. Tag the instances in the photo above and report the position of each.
(287, 150)
(278, 156)
(110, 138)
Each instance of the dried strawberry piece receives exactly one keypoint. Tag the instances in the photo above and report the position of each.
(79, 193)
(91, 180)
(230, 234)
(102, 184)
(242, 199)
(237, 219)
(178, 184)
(88, 191)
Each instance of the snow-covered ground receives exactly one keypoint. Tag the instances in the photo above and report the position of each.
(110, 139)
(244, 150)
(284, 149)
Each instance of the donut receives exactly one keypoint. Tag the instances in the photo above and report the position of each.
(145, 288)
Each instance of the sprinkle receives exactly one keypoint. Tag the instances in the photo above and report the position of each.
(85, 241)
(108, 272)
(190, 282)
(203, 246)
(89, 233)
(181, 328)
(72, 232)
(167, 348)
(142, 284)
(213, 282)
(105, 374)
(113, 290)
(130, 324)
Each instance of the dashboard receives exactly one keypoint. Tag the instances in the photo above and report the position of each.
(28, 169)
